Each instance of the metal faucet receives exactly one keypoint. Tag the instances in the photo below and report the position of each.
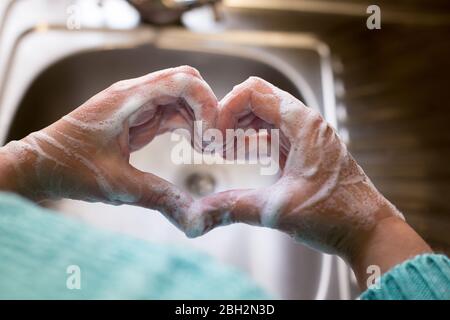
(169, 11)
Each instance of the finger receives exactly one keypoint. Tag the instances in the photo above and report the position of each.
(141, 135)
(167, 118)
(264, 100)
(261, 207)
(166, 87)
(133, 104)
(128, 85)
(301, 128)
(221, 209)
(120, 100)
(300, 124)
(184, 99)
(256, 146)
(153, 192)
(252, 105)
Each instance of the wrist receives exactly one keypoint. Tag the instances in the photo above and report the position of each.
(389, 242)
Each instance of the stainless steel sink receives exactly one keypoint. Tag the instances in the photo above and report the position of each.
(297, 63)
(71, 81)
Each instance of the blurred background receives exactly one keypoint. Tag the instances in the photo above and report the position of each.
(386, 90)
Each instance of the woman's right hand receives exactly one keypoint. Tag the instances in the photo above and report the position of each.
(323, 198)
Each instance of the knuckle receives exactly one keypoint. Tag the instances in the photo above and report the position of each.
(254, 81)
(188, 70)
(254, 84)
(316, 116)
(119, 86)
(316, 121)
(249, 84)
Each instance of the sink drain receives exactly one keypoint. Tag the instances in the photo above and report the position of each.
(200, 184)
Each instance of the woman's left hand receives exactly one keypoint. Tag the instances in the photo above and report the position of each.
(85, 154)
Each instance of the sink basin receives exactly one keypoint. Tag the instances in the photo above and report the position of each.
(71, 81)
(284, 268)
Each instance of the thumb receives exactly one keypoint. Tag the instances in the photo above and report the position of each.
(224, 208)
(158, 194)
(259, 207)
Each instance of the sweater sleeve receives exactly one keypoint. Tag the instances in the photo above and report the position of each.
(41, 252)
(424, 277)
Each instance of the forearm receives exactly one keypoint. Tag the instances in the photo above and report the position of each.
(390, 242)
(14, 173)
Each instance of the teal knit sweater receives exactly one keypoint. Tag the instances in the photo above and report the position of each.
(47, 256)
(425, 277)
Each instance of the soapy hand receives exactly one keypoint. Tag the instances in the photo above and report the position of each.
(85, 155)
(323, 197)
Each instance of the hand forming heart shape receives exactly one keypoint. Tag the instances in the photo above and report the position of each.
(85, 155)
